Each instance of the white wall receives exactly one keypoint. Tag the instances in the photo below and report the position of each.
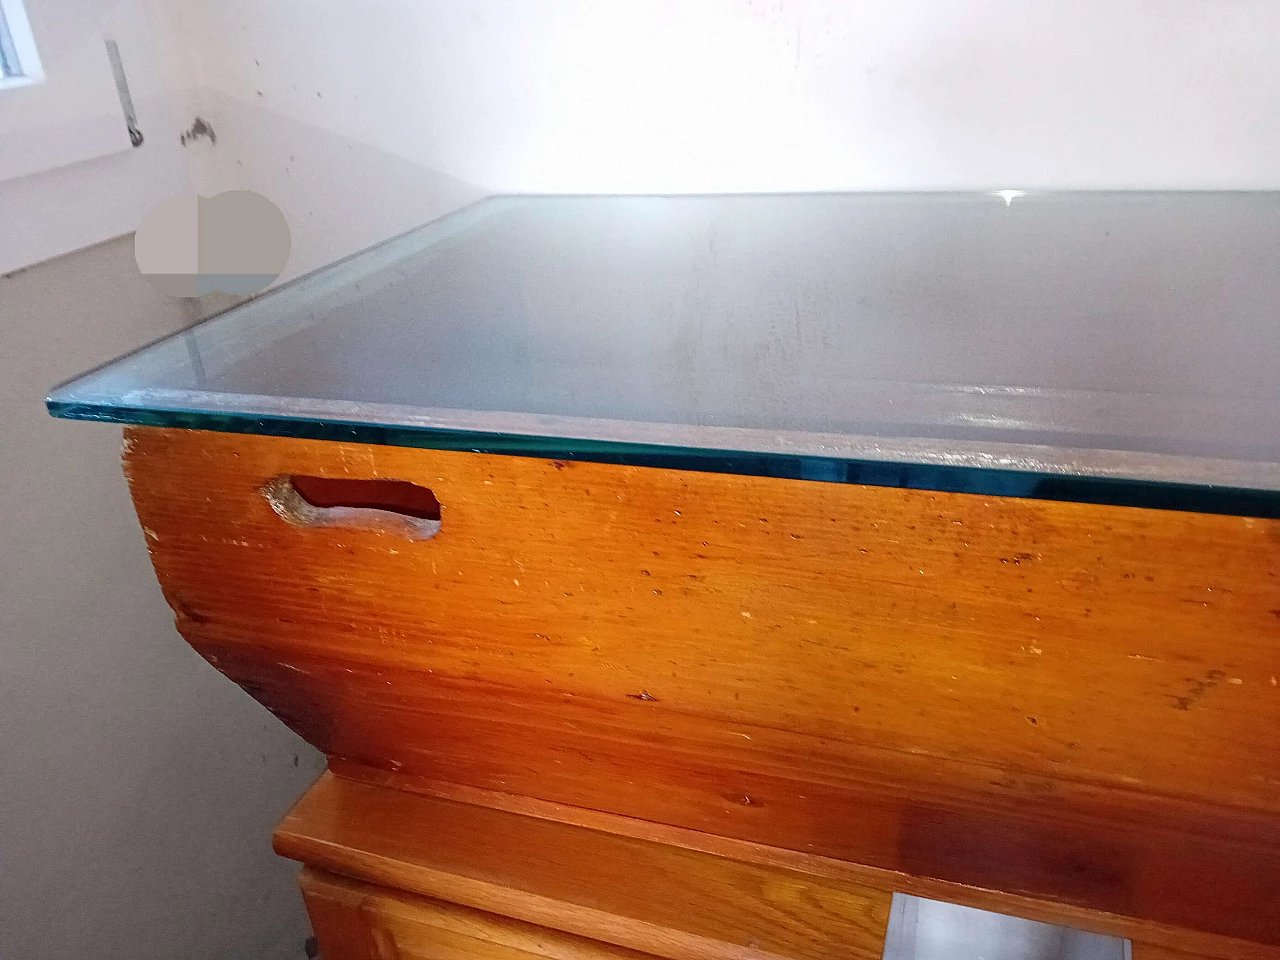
(389, 111)
(362, 118)
(69, 207)
(138, 786)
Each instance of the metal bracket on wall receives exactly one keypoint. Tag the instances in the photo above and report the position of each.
(122, 88)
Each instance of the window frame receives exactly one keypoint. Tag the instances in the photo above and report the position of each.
(19, 45)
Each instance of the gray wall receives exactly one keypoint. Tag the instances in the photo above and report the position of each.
(138, 787)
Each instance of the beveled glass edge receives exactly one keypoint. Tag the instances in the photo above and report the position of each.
(974, 468)
(443, 227)
(1085, 475)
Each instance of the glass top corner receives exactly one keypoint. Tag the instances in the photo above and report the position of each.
(1120, 347)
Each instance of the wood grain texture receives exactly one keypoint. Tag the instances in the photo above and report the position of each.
(638, 894)
(1147, 951)
(357, 921)
(1153, 936)
(1069, 702)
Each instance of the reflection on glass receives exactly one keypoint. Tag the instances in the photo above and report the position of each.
(1122, 336)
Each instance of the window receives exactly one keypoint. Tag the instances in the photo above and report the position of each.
(19, 62)
(62, 107)
(9, 66)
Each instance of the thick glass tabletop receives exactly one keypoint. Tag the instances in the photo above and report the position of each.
(1116, 347)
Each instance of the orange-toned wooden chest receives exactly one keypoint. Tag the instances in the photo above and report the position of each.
(1062, 710)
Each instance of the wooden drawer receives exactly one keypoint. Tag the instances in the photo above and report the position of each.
(635, 890)
(360, 921)
(1077, 702)
(632, 893)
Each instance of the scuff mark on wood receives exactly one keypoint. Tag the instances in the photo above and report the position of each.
(1197, 689)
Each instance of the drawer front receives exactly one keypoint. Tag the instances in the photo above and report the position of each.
(630, 892)
(992, 689)
(359, 921)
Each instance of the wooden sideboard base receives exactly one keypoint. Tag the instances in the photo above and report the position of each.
(615, 881)
(638, 894)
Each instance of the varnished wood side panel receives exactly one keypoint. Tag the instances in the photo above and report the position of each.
(357, 921)
(1117, 645)
(1058, 700)
(1120, 852)
(646, 896)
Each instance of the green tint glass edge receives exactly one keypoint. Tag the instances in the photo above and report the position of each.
(1172, 494)
(982, 481)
